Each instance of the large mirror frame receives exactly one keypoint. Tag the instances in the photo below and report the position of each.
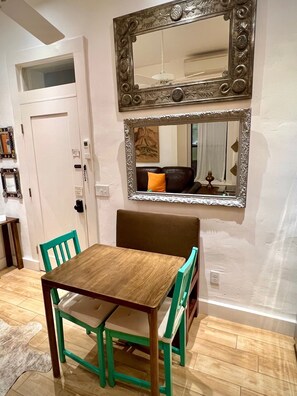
(236, 84)
(241, 115)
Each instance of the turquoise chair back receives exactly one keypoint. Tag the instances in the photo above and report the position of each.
(181, 292)
(61, 247)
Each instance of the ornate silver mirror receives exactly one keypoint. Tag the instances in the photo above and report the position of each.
(195, 158)
(11, 182)
(184, 52)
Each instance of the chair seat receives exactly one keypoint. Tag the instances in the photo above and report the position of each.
(131, 321)
(89, 310)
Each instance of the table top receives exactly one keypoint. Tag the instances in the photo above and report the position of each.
(134, 278)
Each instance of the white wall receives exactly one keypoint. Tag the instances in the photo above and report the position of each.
(253, 248)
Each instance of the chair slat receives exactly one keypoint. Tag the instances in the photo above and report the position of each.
(56, 256)
(62, 252)
(67, 250)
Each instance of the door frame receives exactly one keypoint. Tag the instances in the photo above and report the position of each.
(15, 61)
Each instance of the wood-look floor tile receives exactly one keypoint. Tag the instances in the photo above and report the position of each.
(77, 335)
(85, 383)
(28, 291)
(256, 382)
(10, 321)
(41, 319)
(38, 339)
(23, 273)
(280, 340)
(37, 385)
(246, 392)
(10, 297)
(278, 368)
(214, 335)
(16, 313)
(262, 348)
(12, 392)
(207, 385)
(33, 305)
(234, 356)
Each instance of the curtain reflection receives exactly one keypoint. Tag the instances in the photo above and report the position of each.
(211, 150)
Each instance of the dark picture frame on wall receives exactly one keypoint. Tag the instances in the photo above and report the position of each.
(11, 183)
(7, 147)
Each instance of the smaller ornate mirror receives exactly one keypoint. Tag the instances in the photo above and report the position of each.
(7, 149)
(195, 158)
(11, 182)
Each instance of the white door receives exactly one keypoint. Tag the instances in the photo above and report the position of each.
(56, 174)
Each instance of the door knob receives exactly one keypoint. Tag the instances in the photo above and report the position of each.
(79, 207)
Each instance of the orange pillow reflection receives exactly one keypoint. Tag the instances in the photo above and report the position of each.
(156, 182)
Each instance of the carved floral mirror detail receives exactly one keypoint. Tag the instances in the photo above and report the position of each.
(194, 158)
(184, 52)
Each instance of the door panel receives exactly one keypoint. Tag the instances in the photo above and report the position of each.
(53, 146)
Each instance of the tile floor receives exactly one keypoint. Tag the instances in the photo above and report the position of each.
(223, 358)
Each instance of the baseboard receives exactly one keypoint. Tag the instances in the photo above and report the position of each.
(247, 316)
(28, 263)
(31, 264)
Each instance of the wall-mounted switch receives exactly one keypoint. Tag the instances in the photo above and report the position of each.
(102, 190)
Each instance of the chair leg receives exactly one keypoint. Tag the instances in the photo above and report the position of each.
(182, 340)
(110, 359)
(101, 361)
(168, 369)
(60, 334)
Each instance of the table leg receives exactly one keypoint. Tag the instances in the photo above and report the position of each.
(17, 245)
(154, 352)
(7, 248)
(51, 329)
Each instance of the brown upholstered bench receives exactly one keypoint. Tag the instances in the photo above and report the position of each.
(162, 233)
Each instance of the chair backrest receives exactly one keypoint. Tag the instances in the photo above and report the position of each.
(61, 247)
(181, 292)
(157, 232)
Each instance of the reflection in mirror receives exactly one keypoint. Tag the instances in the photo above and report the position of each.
(171, 56)
(191, 158)
(183, 52)
(11, 182)
(7, 143)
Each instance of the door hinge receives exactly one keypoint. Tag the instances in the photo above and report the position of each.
(37, 250)
(30, 193)
(22, 128)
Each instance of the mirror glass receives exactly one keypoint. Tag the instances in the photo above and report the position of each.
(209, 148)
(191, 158)
(183, 52)
(171, 56)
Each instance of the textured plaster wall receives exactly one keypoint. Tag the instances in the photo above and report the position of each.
(253, 248)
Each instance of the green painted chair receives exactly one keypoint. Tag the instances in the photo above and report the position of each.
(132, 326)
(89, 313)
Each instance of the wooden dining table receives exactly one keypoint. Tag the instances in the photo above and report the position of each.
(133, 278)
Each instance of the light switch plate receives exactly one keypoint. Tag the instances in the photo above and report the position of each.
(102, 190)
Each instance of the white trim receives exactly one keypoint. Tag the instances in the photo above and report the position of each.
(31, 264)
(247, 316)
(77, 47)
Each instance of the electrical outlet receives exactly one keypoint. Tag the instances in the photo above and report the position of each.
(102, 190)
(214, 277)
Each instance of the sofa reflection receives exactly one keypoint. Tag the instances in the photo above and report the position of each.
(179, 179)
